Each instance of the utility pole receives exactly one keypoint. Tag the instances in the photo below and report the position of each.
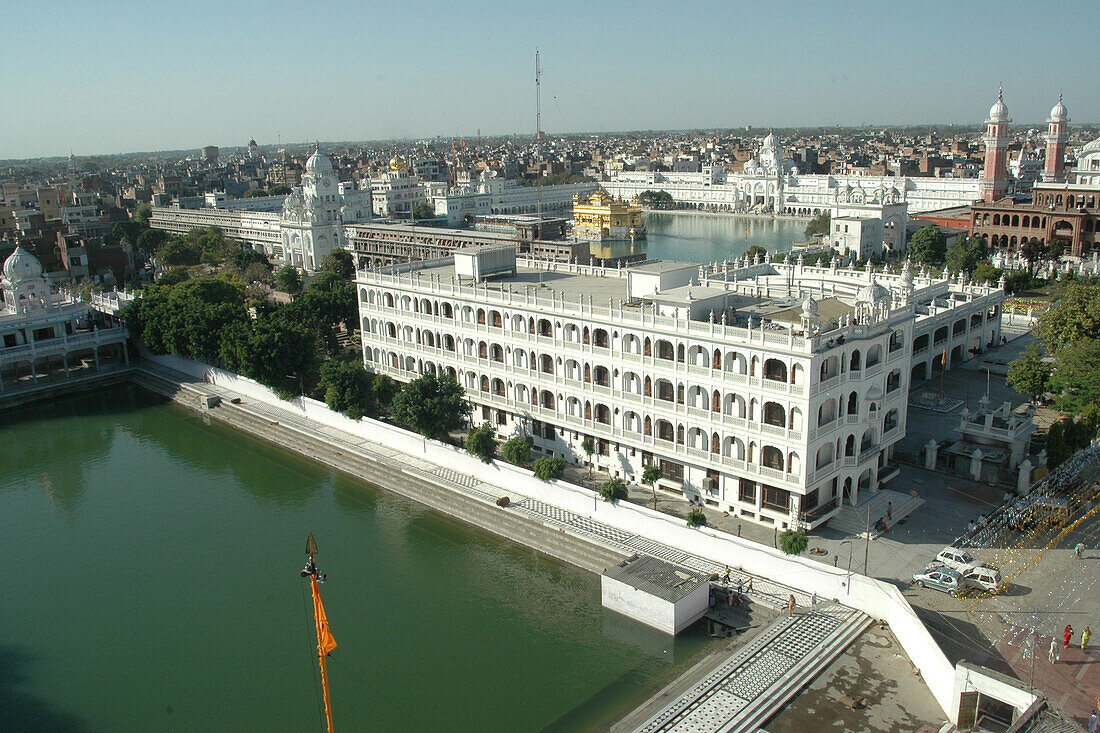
(538, 147)
(867, 547)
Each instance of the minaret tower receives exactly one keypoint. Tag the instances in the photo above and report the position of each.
(1055, 168)
(994, 177)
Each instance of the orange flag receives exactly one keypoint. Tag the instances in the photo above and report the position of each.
(325, 642)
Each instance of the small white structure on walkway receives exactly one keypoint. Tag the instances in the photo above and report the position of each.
(657, 593)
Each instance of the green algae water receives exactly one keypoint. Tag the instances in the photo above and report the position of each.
(150, 582)
(704, 238)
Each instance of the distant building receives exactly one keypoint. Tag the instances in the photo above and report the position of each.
(299, 229)
(47, 337)
(210, 153)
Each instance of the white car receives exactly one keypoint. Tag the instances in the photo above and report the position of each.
(983, 578)
(956, 559)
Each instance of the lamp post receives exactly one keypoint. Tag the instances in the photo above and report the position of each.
(848, 586)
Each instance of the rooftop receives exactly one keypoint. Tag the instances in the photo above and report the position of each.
(657, 577)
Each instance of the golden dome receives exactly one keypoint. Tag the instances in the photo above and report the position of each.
(397, 164)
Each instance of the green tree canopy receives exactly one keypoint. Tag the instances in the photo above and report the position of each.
(696, 518)
(348, 388)
(431, 405)
(1075, 381)
(965, 254)
(517, 450)
(278, 191)
(288, 280)
(1029, 374)
(756, 251)
(482, 442)
(423, 211)
(656, 199)
(793, 541)
(818, 225)
(278, 353)
(549, 467)
(1076, 316)
(986, 273)
(339, 261)
(255, 193)
(613, 490)
(928, 246)
(178, 252)
(142, 214)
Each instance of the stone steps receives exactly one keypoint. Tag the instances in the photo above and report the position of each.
(853, 520)
(762, 676)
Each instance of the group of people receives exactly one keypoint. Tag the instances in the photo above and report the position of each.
(1067, 637)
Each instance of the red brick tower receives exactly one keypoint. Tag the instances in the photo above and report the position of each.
(994, 178)
(1055, 168)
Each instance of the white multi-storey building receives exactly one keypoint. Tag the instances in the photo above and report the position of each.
(300, 229)
(494, 196)
(773, 391)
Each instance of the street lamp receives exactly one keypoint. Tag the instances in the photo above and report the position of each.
(848, 586)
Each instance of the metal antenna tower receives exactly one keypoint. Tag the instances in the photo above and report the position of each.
(538, 147)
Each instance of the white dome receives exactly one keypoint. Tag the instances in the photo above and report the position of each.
(873, 293)
(1093, 147)
(998, 112)
(809, 307)
(1058, 111)
(318, 164)
(769, 141)
(22, 265)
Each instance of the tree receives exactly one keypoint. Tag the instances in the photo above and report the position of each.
(656, 199)
(1034, 252)
(756, 251)
(288, 280)
(278, 191)
(696, 518)
(928, 246)
(517, 451)
(279, 354)
(793, 541)
(173, 276)
(1029, 374)
(255, 193)
(326, 302)
(588, 445)
(986, 273)
(549, 467)
(178, 252)
(423, 211)
(613, 489)
(142, 214)
(482, 442)
(385, 389)
(432, 405)
(965, 254)
(1075, 380)
(1076, 316)
(348, 388)
(651, 475)
(150, 240)
(339, 261)
(818, 225)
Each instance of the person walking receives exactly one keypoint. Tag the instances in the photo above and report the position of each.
(1094, 721)
(813, 602)
(1085, 636)
(1078, 549)
(748, 588)
(1052, 655)
(1068, 633)
(790, 606)
(726, 577)
(890, 511)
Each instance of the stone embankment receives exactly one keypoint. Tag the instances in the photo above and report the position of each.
(384, 471)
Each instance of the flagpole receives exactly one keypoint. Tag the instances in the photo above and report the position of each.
(325, 642)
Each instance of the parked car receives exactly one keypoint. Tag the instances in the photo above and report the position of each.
(983, 578)
(940, 578)
(956, 559)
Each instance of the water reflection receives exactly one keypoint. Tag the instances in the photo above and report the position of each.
(706, 238)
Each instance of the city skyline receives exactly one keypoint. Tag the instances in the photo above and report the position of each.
(225, 75)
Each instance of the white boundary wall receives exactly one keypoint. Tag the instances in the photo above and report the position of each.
(879, 600)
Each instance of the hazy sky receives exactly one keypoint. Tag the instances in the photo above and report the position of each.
(104, 77)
